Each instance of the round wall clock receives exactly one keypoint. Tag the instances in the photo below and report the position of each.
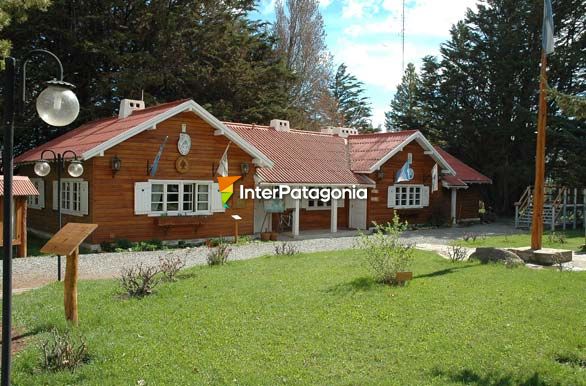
(184, 144)
(181, 164)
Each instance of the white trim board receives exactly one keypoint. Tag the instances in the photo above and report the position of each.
(189, 105)
(427, 147)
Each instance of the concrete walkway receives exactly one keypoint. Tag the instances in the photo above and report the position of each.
(33, 272)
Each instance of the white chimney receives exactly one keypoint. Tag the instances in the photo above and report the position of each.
(280, 125)
(127, 106)
(340, 131)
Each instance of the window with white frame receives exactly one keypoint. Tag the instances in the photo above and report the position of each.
(319, 204)
(73, 198)
(408, 196)
(180, 197)
(37, 202)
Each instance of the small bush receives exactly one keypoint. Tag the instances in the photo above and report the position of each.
(218, 255)
(469, 237)
(170, 265)
(106, 246)
(556, 238)
(243, 240)
(123, 244)
(456, 253)
(63, 351)
(286, 249)
(384, 253)
(139, 280)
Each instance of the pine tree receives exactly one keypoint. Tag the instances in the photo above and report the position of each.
(352, 108)
(405, 113)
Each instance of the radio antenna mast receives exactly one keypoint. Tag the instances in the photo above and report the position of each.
(403, 40)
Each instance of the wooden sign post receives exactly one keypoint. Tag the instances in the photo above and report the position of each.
(236, 219)
(66, 242)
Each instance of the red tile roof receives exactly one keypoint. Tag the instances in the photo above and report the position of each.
(301, 157)
(463, 172)
(21, 186)
(92, 134)
(367, 149)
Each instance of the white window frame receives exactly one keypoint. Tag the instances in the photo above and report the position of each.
(181, 192)
(319, 204)
(409, 189)
(67, 196)
(37, 202)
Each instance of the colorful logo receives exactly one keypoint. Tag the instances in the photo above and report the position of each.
(226, 185)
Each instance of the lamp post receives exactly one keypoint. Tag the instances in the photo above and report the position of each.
(75, 169)
(57, 105)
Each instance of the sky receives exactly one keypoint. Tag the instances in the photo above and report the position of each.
(366, 36)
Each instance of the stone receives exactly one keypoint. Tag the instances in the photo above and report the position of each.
(525, 253)
(496, 255)
(550, 256)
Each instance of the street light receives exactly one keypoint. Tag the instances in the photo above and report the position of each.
(43, 168)
(57, 106)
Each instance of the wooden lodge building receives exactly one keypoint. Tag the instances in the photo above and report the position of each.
(131, 196)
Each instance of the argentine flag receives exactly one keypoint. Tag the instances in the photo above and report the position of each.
(547, 38)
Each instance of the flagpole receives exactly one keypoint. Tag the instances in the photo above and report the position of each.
(539, 191)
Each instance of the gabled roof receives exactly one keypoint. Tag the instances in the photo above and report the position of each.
(21, 186)
(368, 152)
(464, 173)
(93, 138)
(301, 157)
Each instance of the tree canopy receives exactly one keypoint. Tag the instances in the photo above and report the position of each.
(351, 106)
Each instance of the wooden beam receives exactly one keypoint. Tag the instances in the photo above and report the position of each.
(70, 287)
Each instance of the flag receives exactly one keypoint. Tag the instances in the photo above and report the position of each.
(158, 157)
(434, 178)
(547, 38)
(223, 167)
(405, 173)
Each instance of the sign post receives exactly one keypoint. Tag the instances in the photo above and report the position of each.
(66, 242)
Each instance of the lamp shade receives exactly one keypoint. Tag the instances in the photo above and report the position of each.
(75, 169)
(57, 105)
(42, 168)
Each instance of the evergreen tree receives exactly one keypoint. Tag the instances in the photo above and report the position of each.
(405, 113)
(352, 108)
(114, 49)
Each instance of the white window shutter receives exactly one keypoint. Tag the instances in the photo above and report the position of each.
(217, 205)
(425, 196)
(391, 197)
(41, 189)
(84, 197)
(55, 198)
(142, 197)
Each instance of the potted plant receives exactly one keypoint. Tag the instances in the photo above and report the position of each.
(265, 236)
(274, 236)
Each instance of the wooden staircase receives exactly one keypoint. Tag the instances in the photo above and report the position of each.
(562, 207)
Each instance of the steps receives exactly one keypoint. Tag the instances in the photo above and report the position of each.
(524, 220)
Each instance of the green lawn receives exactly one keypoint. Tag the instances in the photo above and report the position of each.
(319, 319)
(574, 239)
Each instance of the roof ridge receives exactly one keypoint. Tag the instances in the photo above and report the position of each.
(386, 133)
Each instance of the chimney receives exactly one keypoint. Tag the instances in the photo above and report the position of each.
(340, 131)
(280, 125)
(127, 106)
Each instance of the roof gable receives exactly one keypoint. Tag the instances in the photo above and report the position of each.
(368, 152)
(464, 172)
(93, 138)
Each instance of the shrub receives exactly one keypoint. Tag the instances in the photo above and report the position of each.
(123, 244)
(64, 351)
(286, 249)
(384, 253)
(170, 265)
(218, 255)
(456, 253)
(556, 238)
(243, 240)
(139, 280)
(106, 246)
(469, 237)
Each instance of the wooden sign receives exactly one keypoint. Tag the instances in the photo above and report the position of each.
(66, 242)
(182, 164)
(68, 239)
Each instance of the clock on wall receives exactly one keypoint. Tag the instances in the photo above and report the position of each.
(184, 143)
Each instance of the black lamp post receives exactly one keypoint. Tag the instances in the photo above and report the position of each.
(57, 105)
(75, 169)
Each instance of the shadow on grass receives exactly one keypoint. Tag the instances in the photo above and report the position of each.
(442, 272)
(360, 284)
(469, 377)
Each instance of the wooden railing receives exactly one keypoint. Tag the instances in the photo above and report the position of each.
(558, 201)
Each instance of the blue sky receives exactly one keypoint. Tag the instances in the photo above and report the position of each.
(365, 35)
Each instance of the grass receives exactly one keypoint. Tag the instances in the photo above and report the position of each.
(319, 319)
(574, 240)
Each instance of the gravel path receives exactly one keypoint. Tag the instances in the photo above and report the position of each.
(33, 272)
